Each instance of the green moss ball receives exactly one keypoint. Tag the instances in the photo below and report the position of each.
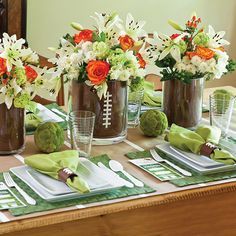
(49, 137)
(153, 123)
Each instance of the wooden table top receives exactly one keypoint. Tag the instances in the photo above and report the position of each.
(165, 192)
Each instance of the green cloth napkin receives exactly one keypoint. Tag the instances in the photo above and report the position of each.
(150, 97)
(50, 164)
(192, 141)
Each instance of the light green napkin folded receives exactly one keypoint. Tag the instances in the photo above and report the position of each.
(150, 97)
(50, 164)
(192, 141)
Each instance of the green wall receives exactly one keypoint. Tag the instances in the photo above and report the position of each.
(48, 20)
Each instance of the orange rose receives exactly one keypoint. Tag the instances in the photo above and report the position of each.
(141, 61)
(126, 42)
(3, 66)
(97, 71)
(204, 53)
(31, 74)
(85, 35)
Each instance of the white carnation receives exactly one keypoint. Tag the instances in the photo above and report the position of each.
(203, 67)
(196, 60)
(191, 68)
(180, 66)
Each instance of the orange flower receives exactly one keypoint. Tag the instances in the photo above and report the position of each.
(3, 66)
(31, 74)
(85, 35)
(97, 71)
(141, 61)
(126, 42)
(204, 53)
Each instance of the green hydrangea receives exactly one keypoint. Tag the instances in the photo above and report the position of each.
(201, 39)
(182, 46)
(153, 123)
(22, 100)
(49, 137)
(117, 57)
(101, 50)
(20, 75)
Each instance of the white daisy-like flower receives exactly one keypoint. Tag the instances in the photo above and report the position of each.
(216, 39)
(9, 92)
(13, 51)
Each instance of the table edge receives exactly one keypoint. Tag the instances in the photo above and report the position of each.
(76, 214)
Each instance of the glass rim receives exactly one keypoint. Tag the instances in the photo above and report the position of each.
(91, 115)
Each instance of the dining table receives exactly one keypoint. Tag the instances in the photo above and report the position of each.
(198, 209)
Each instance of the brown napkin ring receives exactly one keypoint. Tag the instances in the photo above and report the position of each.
(207, 149)
(65, 173)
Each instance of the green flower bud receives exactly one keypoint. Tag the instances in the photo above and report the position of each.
(201, 39)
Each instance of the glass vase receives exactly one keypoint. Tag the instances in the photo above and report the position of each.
(182, 102)
(111, 111)
(12, 130)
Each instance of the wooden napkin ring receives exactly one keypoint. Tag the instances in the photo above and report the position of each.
(207, 149)
(65, 173)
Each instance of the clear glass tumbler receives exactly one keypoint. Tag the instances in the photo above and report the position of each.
(221, 108)
(81, 124)
(134, 107)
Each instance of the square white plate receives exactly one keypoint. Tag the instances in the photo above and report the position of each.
(165, 147)
(53, 190)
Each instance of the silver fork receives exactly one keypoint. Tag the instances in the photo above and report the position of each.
(158, 158)
(12, 184)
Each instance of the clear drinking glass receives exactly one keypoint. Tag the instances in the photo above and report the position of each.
(81, 125)
(221, 108)
(134, 107)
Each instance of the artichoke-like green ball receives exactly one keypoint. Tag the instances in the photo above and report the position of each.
(49, 137)
(153, 123)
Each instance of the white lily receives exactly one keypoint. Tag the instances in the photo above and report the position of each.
(12, 50)
(106, 21)
(170, 46)
(134, 28)
(149, 53)
(9, 92)
(216, 39)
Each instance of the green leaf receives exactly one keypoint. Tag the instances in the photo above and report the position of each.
(175, 25)
(102, 37)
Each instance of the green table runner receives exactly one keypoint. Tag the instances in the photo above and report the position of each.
(43, 205)
(196, 178)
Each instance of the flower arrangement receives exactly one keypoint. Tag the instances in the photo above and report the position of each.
(192, 53)
(19, 81)
(104, 53)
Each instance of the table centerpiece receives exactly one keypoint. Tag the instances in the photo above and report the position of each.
(20, 81)
(187, 59)
(99, 64)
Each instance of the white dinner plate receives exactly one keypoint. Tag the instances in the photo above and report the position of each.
(165, 147)
(53, 190)
(200, 160)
